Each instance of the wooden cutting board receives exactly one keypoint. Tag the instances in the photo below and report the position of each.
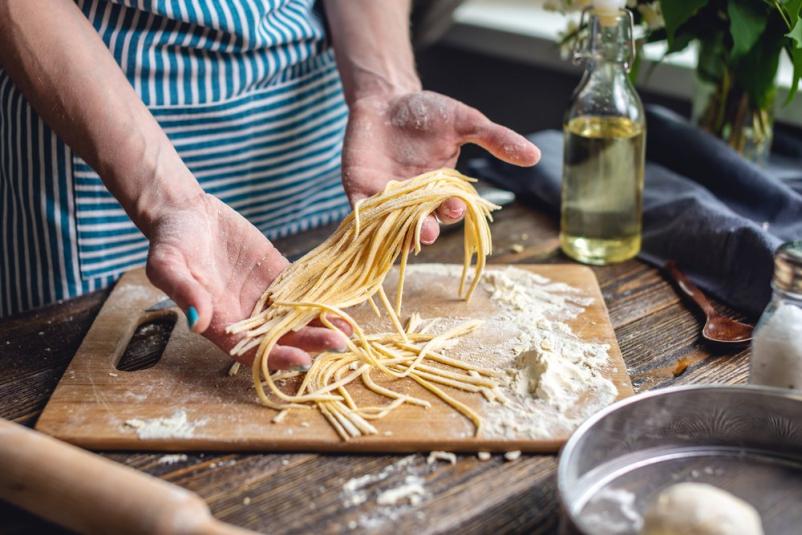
(94, 404)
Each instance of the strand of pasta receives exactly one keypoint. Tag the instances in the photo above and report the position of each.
(349, 268)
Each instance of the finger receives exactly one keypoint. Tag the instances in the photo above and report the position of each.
(501, 142)
(288, 357)
(451, 211)
(315, 339)
(430, 230)
(281, 358)
(169, 273)
(341, 325)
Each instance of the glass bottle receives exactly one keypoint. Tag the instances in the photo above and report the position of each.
(777, 340)
(604, 145)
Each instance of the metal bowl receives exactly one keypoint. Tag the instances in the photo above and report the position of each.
(746, 440)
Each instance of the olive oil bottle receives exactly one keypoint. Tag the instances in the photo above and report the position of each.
(604, 147)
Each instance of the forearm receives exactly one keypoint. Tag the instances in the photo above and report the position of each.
(56, 58)
(371, 40)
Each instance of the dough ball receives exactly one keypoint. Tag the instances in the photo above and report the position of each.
(700, 509)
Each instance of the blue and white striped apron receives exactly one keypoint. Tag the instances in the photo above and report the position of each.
(248, 92)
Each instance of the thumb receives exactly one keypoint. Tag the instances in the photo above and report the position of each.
(473, 127)
(167, 270)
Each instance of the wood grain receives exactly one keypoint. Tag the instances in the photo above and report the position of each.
(284, 489)
(96, 397)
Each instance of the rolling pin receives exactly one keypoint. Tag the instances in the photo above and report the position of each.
(89, 494)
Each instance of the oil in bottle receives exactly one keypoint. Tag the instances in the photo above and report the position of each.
(602, 189)
(604, 129)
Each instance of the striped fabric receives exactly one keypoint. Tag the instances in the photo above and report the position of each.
(248, 93)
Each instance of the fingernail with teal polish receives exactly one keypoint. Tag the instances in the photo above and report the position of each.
(192, 317)
(303, 368)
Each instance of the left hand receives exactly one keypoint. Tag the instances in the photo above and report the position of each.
(407, 134)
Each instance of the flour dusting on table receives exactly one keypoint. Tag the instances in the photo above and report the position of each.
(355, 490)
(172, 458)
(411, 490)
(397, 490)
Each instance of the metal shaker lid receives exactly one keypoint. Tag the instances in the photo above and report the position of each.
(788, 267)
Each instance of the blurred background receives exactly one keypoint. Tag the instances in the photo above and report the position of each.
(504, 57)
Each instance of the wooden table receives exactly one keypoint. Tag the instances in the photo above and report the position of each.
(304, 492)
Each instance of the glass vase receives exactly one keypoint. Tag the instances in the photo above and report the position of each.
(726, 111)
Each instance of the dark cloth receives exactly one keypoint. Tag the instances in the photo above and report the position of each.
(719, 216)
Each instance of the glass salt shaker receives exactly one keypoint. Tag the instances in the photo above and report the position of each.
(777, 339)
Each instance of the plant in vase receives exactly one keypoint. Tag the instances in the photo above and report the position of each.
(739, 47)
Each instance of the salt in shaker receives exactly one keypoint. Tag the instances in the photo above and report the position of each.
(777, 340)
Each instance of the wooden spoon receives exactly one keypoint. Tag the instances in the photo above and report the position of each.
(718, 328)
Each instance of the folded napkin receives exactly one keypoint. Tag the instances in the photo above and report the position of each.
(719, 216)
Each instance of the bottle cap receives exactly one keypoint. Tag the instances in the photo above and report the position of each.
(608, 11)
(609, 5)
(788, 267)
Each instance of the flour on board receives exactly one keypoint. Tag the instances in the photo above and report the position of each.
(175, 426)
(554, 380)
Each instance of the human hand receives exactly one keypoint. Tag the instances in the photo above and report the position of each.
(207, 256)
(408, 134)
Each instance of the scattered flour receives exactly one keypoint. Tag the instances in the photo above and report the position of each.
(411, 490)
(175, 426)
(172, 458)
(391, 501)
(554, 380)
(354, 491)
(441, 456)
(223, 464)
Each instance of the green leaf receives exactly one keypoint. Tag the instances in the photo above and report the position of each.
(681, 40)
(712, 56)
(678, 12)
(748, 19)
(796, 33)
(792, 8)
(795, 54)
(756, 71)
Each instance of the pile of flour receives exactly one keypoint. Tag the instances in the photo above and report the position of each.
(552, 380)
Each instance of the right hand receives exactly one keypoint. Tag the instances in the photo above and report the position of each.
(206, 255)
